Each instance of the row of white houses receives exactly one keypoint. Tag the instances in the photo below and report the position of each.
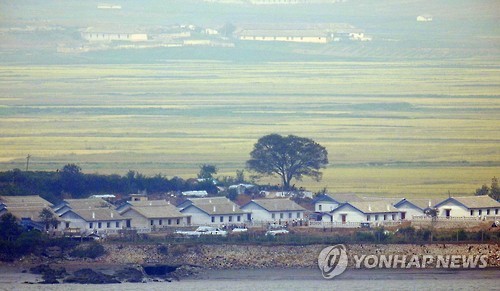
(222, 211)
(353, 209)
(96, 215)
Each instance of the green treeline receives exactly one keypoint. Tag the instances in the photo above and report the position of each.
(70, 182)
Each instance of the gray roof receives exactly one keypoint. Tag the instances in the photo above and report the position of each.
(483, 201)
(87, 203)
(153, 203)
(26, 206)
(421, 203)
(29, 212)
(347, 197)
(154, 209)
(392, 200)
(372, 206)
(216, 205)
(91, 209)
(278, 204)
(26, 201)
(209, 200)
(97, 214)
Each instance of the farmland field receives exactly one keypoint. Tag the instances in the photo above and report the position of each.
(391, 128)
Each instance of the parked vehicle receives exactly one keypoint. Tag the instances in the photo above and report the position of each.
(203, 230)
(239, 230)
(277, 231)
(315, 216)
(364, 225)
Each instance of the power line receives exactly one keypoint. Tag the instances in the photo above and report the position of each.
(28, 162)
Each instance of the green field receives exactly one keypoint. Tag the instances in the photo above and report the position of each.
(391, 128)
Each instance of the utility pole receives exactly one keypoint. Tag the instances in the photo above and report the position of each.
(28, 162)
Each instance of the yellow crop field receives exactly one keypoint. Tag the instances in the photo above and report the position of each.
(415, 128)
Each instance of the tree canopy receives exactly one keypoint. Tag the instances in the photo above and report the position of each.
(48, 218)
(207, 171)
(493, 191)
(288, 157)
(70, 182)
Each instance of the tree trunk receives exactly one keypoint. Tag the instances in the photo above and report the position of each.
(286, 183)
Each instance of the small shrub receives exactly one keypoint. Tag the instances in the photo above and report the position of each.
(64, 243)
(163, 249)
(362, 236)
(461, 235)
(178, 250)
(481, 236)
(424, 234)
(91, 251)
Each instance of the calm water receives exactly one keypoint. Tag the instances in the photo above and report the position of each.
(300, 279)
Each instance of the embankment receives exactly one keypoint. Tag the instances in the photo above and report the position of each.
(257, 256)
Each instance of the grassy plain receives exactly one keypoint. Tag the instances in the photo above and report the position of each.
(415, 128)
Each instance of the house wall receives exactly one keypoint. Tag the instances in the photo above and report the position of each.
(482, 212)
(352, 214)
(76, 221)
(410, 210)
(384, 216)
(261, 214)
(136, 220)
(305, 39)
(100, 36)
(327, 218)
(456, 209)
(199, 217)
(258, 213)
(325, 206)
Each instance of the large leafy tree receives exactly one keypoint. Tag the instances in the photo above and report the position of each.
(288, 157)
(72, 180)
(207, 171)
(493, 191)
(9, 228)
(48, 218)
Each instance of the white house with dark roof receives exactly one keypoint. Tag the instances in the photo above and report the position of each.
(365, 211)
(205, 200)
(87, 203)
(96, 220)
(274, 210)
(213, 211)
(328, 202)
(91, 215)
(284, 35)
(150, 215)
(469, 206)
(410, 208)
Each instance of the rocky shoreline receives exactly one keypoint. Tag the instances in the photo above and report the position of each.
(258, 256)
(128, 262)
